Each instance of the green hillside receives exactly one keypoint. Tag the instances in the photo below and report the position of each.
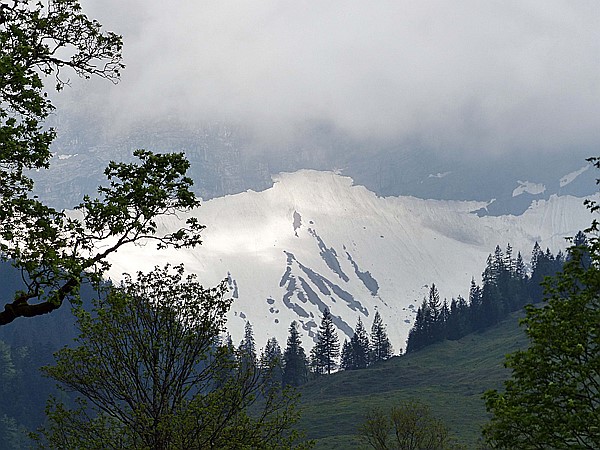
(450, 376)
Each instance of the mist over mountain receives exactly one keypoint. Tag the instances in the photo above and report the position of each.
(227, 159)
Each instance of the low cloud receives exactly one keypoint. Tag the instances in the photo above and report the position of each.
(492, 76)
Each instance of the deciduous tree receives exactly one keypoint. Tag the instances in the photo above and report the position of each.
(57, 252)
(410, 426)
(149, 374)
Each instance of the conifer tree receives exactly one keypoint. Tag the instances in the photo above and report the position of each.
(417, 336)
(360, 345)
(509, 262)
(225, 372)
(580, 242)
(488, 276)
(347, 359)
(434, 308)
(499, 262)
(536, 254)
(443, 321)
(453, 325)
(247, 348)
(272, 351)
(381, 348)
(315, 364)
(520, 271)
(326, 351)
(295, 365)
(543, 264)
(491, 299)
(355, 353)
(271, 362)
(475, 305)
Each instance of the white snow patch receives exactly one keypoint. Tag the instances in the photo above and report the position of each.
(531, 188)
(439, 175)
(63, 157)
(571, 176)
(404, 243)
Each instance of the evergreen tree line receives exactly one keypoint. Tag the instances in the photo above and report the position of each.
(293, 367)
(507, 286)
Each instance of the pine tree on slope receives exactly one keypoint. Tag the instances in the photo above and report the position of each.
(271, 362)
(247, 348)
(347, 361)
(295, 365)
(360, 346)
(326, 351)
(355, 353)
(381, 348)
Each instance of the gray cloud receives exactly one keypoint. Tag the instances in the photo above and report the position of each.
(489, 76)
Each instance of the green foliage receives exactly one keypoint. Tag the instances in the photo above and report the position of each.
(553, 397)
(150, 374)
(56, 252)
(360, 345)
(33, 36)
(410, 426)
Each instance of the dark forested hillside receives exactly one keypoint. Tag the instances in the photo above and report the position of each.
(507, 286)
(25, 346)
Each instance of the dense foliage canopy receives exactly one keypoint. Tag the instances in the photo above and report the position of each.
(150, 373)
(56, 252)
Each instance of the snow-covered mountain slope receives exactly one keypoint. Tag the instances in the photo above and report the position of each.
(315, 240)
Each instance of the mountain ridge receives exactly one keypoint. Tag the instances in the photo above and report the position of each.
(316, 240)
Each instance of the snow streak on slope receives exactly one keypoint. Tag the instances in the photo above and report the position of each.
(315, 241)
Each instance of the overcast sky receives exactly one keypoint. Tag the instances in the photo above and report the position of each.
(469, 75)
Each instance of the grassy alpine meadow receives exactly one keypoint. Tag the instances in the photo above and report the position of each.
(450, 377)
